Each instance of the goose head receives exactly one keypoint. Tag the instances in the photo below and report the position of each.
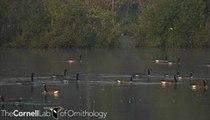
(191, 75)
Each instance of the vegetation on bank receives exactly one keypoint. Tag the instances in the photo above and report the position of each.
(101, 23)
(174, 23)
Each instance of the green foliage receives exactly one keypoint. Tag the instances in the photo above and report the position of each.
(58, 24)
(173, 23)
(101, 23)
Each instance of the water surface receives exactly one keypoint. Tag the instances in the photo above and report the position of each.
(97, 88)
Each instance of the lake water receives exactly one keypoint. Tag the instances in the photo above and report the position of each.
(97, 89)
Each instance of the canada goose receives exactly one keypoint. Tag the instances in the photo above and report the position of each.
(60, 76)
(50, 92)
(169, 82)
(11, 102)
(191, 75)
(171, 63)
(138, 75)
(71, 60)
(125, 81)
(167, 62)
(74, 60)
(166, 75)
(161, 61)
(76, 78)
(27, 82)
(207, 65)
(164, 62)
(199, 86)
(178, 76)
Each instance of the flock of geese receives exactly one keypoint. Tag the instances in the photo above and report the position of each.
(165, 80)
(178, 77)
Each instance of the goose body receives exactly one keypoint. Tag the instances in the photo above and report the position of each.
(166, 75)
(167, 62)
(75, 60)
(51, 93)
(138, 75)
(68, 80)
(190, 76)
(169, 82)
(205, 65)
(22, 82)
(199, 86)
(178, 76)
(60, 76)
(71, 60)
(164, 62)
(54, 92)
(125, 82)
(160, 61)
(11, 102)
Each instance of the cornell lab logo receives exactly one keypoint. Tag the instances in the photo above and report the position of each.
(55, 111)
(59, 111)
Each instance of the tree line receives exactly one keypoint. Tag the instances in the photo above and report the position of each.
(101, 23)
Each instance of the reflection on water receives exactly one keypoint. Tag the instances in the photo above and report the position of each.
(96, 88)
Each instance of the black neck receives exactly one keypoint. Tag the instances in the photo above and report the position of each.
(191, 74)
(64, 73)
(32, 77)
(149, 71)
(80, 57)
(77, 76)
(178, 73)
(204, 83)
(175, 80)
(20, 99)
(45, 87)
(2, 98)
(131, 78)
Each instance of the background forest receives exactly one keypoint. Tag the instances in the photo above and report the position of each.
(102, 23)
